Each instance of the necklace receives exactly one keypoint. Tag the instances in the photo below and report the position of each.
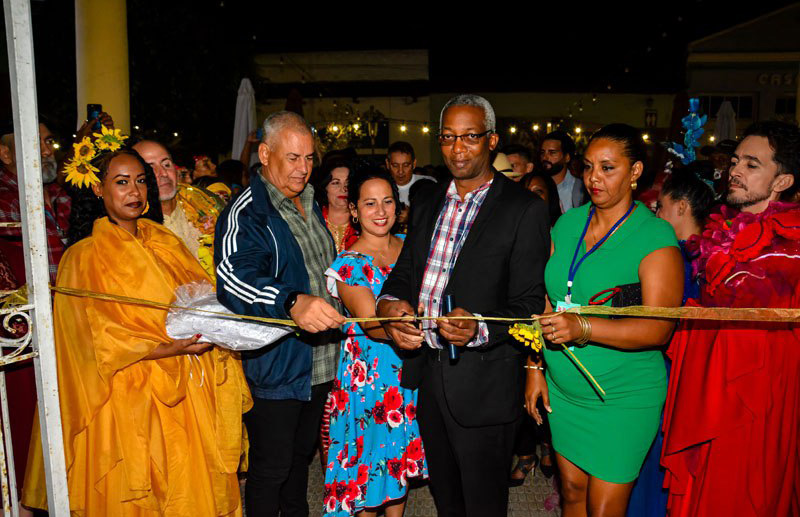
(338, 232)
(613, 229)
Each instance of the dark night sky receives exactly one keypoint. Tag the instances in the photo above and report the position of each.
(187, 57)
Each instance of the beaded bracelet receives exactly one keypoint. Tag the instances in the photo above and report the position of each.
(534, 367)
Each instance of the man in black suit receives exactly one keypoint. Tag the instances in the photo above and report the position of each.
(483, 240)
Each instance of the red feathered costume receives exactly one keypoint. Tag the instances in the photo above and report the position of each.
(732, 417)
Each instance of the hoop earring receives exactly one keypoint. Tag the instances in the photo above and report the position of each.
(355, 220)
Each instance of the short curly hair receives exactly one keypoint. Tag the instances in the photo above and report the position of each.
(784, 140)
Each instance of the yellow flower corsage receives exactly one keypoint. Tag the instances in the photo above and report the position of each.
(530, 334)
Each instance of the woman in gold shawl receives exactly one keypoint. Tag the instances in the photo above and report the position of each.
(152, 426)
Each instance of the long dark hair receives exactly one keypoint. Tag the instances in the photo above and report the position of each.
(326, 176)
(87, 208)
(553, 204)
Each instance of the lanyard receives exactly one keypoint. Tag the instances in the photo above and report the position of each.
(573, 267)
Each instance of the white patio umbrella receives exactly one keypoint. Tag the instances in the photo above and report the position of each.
(245, 121)
(725, 129)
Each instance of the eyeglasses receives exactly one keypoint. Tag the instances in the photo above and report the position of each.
(467, 138)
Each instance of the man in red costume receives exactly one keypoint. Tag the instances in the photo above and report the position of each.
(732, 419)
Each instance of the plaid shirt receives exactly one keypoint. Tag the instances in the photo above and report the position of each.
(56, 218)
(318, 253)
(449, 235)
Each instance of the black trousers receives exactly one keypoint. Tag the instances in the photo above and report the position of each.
(283, 436)
(468, 466)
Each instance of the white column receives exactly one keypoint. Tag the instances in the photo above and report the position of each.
(31, 197)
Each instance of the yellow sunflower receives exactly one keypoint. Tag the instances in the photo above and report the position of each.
(84, 150)
(81, 173)
(109, 139)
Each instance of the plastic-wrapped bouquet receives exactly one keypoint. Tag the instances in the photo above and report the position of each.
(225, 331)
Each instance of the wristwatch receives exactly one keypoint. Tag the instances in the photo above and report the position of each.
(290, 301)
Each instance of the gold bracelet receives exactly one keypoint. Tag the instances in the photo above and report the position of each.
(586, 330)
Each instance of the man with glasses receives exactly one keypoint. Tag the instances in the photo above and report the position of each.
(483, 242)
(57, 203)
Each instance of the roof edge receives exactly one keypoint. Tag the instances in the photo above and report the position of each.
(743, 24)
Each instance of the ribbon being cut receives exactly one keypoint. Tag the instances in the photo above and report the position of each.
(197, 311)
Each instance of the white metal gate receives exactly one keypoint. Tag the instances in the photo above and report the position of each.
(39, 343)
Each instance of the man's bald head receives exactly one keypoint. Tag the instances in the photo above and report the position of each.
(149, 147)
(158, 157)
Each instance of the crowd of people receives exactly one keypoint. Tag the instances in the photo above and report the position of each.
(694, 417)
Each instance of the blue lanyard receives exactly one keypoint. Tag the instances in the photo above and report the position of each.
(573, 267)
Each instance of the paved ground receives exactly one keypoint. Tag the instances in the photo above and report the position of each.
(527, 500)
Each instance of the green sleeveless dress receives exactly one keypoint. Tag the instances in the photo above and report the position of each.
(607, 437)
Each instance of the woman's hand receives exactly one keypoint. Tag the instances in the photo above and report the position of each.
(560, 327)
(535, 387)
(191, 345)
(180, 347)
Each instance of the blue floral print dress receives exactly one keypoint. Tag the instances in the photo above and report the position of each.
(374, 436)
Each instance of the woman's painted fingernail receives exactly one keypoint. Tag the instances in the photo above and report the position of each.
(198, 336)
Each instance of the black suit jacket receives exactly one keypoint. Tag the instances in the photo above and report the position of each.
(499, 272)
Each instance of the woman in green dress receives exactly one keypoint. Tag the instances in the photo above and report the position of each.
(601, 440)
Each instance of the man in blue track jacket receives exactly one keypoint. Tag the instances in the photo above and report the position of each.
(271, 252)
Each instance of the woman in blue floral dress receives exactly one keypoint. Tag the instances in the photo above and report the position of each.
(374, 436)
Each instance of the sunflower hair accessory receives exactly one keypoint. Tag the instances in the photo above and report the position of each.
(80, 171)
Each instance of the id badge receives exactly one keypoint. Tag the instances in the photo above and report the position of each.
(561, 306)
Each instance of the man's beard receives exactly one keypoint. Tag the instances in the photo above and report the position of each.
(49, 170)
(553, 169)
(169, 196)
(745, 198)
